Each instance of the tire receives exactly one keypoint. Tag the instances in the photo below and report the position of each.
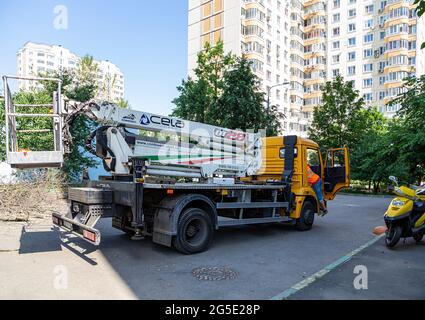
(306, 220)
(393, 236)
(418, 237)
(194, 231)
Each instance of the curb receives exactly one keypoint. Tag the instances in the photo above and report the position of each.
(366, 195)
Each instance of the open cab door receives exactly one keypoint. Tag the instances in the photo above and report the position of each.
(337, 172)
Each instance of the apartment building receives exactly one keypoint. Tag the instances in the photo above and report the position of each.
(34, 58)
(258, 29)
(374, 43)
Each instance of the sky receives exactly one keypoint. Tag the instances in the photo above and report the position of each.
(146, 39)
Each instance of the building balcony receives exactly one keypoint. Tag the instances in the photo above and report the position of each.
(394, 4)
(312, 94)
(397, 68)
(254, 4)
(314, 40)
(395, 52)
(315, 26)
(389, 84)
(398, 36)
(309, 55)
(309, 82)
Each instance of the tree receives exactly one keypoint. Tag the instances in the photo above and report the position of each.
(411, 117)
(368, 161)
(80, 86)
(212, 64)
(194, 101)
(241, 104)
(123, 104)
(412, 102)
(198, 98)
(225, 92)
(339, 121)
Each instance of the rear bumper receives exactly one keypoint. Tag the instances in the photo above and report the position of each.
(78, 229)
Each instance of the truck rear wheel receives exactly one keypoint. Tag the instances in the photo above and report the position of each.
(194, 231)
(306, 219)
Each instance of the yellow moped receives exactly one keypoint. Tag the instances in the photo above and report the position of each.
(405, 216)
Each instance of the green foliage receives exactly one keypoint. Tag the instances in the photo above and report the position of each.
(225, 92)
(123, 104)
(412, 102)
(198, 98)
(340, 120)
(79, 86)
(42, 141)
(194, 102)
(379, 147)
(241, 104)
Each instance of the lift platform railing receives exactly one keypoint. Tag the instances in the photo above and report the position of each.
(27, 158)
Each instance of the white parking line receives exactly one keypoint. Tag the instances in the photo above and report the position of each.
(308, 281)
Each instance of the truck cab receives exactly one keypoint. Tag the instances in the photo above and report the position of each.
(333, 166)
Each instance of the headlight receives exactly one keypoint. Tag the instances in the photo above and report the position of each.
(398, 203)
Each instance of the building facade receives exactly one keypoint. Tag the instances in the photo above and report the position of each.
(374, 43)
(34, 58)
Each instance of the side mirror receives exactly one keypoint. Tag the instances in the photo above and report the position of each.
(393, 179)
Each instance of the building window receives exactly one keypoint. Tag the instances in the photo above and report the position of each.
(335, 44)
(368, 23)
(352, 41)
(352, 56)
(367, 53)
(351, 71)
(368, 38)
(369, 9)
(368, 67)
(337, 4)
(351, 27)
(336, 31)
(335, 58)
(351, 13)
(367, 83)
(367, 97)
(336, 17)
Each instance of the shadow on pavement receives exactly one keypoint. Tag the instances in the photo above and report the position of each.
(38, 240)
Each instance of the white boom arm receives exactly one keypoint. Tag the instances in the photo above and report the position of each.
(193, 149)
(198, 150)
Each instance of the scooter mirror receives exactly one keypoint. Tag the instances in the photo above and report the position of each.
(393, 179)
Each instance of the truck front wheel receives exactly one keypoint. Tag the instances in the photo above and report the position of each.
(194, 231)
(306, 219)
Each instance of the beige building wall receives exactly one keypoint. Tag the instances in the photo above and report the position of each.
(34, 58)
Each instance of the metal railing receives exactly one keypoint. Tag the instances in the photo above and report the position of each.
(24, 159)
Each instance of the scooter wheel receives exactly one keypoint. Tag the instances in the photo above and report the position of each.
(418, 237)
(393, 236)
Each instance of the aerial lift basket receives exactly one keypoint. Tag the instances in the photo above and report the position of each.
(21, 158)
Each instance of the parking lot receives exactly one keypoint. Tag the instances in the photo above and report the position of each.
(259, 262)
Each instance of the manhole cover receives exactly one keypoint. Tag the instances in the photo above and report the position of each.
(213, 274)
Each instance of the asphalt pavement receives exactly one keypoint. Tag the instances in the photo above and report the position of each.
(263, 261)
